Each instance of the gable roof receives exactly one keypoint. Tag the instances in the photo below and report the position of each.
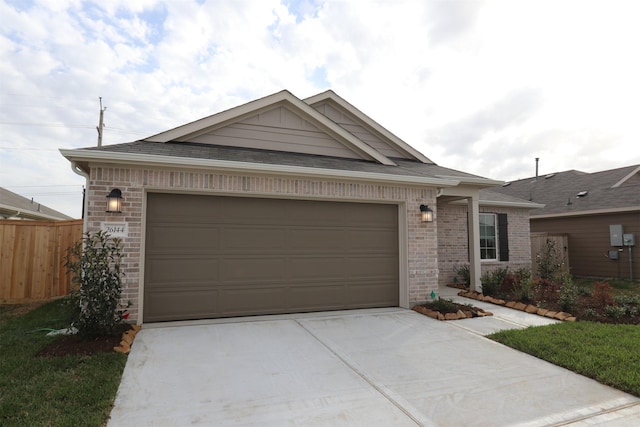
(227, 141)
(13, 205)
(578, 193)
(187, 132)
(367, 122)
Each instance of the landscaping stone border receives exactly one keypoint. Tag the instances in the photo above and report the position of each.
(528, 308)
(127, 339)
(460, 314)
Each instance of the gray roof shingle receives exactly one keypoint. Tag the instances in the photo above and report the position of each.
(252, 155)
(559, 191)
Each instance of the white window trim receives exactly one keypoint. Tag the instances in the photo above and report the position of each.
(497, 249)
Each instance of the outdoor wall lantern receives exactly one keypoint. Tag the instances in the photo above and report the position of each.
(114, 201)
(427, 213)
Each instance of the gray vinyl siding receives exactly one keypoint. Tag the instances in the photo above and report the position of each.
(343, 119)
(589, 242)
(278, 129)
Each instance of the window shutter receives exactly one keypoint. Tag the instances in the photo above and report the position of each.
(503, 237)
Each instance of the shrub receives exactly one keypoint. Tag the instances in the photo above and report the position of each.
(548, 265)
(615, 311)
(568, 297)
(545, 290)
(95, 265)
(444, 305)
(524, 290)
(602, 293)
(590, 313)
(492, 281)
(463, 272)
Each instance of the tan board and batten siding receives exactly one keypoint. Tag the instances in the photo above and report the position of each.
(223, 256)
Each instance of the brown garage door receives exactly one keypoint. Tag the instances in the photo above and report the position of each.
(215, 256)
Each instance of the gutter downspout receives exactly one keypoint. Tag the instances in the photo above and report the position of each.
(79, 171)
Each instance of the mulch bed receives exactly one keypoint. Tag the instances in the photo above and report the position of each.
(589, 308)
(73, 345)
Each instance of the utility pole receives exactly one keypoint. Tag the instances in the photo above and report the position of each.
(100, 126)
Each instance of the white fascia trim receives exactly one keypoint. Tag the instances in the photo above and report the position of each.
(589, 212)
(473, 180)
(502, 204)
(34, 215)
(182, 133)
(246, 167)
(329, 94)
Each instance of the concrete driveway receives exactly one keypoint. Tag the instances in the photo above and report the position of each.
(387, 367)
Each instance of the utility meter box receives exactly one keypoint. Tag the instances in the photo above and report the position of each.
(614, 255)
(628, 240)
(615, 232)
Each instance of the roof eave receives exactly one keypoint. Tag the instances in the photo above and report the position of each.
(587, 212)
(473, 181)
(503, 204)
(81, 156)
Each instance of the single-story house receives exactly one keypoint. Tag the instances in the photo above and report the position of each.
(597, 212)
(287, 205)
(15, 206)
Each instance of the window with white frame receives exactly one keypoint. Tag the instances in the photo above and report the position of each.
(488, 237)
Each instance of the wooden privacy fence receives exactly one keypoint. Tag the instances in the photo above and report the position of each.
(32, 259)
(538, 243)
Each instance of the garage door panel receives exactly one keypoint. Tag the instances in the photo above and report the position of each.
(253, 238)
(239, 300)
(169, 236)
(171, 270)
(220, 256)
(181, 304)
(373, 240)
(255, 270)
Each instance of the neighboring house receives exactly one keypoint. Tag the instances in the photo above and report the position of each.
(286, 205)
(14, 206)
(584, 207)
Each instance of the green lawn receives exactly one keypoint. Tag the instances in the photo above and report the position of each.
(607, 353)
(54, 391)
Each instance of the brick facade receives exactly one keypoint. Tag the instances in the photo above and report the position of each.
(421, 245)
(453, 241)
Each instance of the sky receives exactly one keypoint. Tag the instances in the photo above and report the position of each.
(483, 87)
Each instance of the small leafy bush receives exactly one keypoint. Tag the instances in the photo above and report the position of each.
(444, 305)
(627, 299)
(95, 265)
(548, 265)
(545, 290)
(615, 311)
(603, 293)
(463, 272)
(590, 313)
(568, 295)
(492, 281)
(524, 290)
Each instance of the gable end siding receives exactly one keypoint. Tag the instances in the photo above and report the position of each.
(344, 120)
(277, 129)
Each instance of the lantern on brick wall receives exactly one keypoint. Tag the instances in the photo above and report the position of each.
(426, 213)
(114, 201)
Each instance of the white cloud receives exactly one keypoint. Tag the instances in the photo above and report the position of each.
(484, 87)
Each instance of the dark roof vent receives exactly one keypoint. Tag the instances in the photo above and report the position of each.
(551, 175)
(506, 184)
(582, 193)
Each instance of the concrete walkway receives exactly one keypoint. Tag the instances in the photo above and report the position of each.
(386, 367)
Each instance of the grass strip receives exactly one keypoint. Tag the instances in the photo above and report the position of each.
(610, 354)
(39, 391)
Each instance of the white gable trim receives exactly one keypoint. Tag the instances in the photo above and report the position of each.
(371, 124)
(284, 97)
